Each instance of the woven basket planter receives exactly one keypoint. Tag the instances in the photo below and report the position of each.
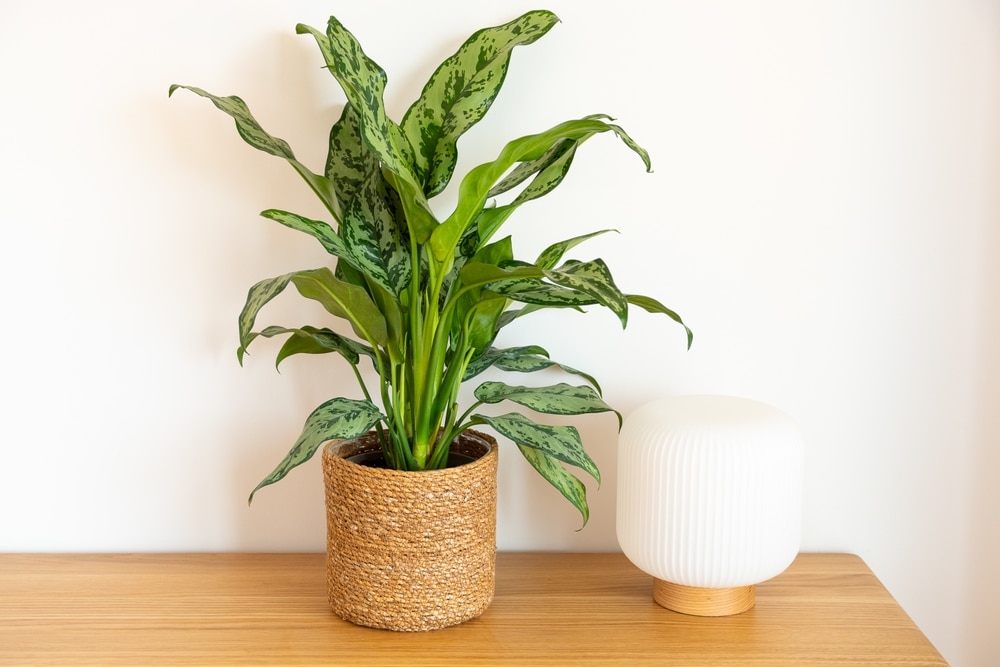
(410, 551)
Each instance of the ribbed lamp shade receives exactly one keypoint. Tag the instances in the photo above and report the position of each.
(709, 499)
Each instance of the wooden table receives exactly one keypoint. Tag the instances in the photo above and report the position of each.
(550, 609)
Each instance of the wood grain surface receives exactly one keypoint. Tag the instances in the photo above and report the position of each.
(550, 609)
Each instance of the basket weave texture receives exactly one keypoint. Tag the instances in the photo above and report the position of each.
(410, 551)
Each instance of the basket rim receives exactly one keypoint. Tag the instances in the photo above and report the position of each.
(338, 451)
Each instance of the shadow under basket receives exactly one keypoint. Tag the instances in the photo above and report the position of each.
(410, 551)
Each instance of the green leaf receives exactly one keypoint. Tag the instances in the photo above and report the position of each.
(349, 163)
(257, 297)
(527, 359)
(344, 300)
(651, 305)
(374, 237)
(531, 364)
(561, 442)
(477, 274)
(549, 171)
(337, 418)
(363, 81)
(461, 91)
(477, 184)
(319, 230)
(576, 284)
(494, 356)
(246, 124)
(310, 340)
(557, 399)
(541, 294)
(567, 484)
(477, 312)
(551, 255)
(592, 278)
(252, 133)
(525, 170)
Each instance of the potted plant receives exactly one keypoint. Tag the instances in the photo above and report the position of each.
(425, 299)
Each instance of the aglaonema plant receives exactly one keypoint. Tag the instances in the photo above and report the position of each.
(426, 297)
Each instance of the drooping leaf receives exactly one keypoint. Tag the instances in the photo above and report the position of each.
(594, 279)
(337, 418)
(651, 305)
(344, 300)
(528, 363)
(257, 297)
(461, 91)
(310, 340)
(575, 284)
(246, 124)
(252, 133)
(319, 230)
(564, 482)
(494, 356)
(557, 399)
(561, 442)
(526, 359)
(541, 294)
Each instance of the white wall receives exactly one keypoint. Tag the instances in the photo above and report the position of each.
(823, 213)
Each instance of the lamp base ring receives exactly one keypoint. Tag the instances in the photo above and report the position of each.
(696, 601)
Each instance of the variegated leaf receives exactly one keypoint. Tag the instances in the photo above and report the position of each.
(252, 133)
(478, 274)
(556, 161)
(494, 356)
(557, 399)
(337, 418)
(549, 175)
(319, 230)
(594, 279)
(561, 442)
(567, 484)
(534, 291)
(246, 124)
(529, 363)
(461, 91)
(363, 81)
(349, 162)
(373, 235)
(310, 340)
(551, 255)
(257, 297)
(525, 170)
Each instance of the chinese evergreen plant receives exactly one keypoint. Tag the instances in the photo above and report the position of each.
(425, 297)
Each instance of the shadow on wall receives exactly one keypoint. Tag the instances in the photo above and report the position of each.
(982, 618)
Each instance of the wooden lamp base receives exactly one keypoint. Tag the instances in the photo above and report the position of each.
(696, 601)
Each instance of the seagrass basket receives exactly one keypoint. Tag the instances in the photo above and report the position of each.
(410, 551)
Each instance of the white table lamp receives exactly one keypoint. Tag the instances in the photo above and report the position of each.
(709, 499)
